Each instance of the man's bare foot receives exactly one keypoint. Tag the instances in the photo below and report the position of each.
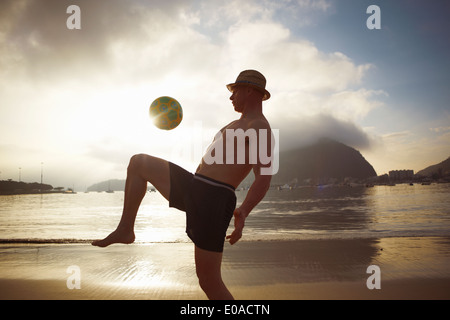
(116, 236)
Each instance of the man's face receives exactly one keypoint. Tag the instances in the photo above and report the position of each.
(238, 98)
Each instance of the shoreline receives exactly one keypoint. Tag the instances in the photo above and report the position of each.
(410, 268)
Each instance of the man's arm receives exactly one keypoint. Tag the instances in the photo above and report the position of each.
(261, 184)
(255, 194)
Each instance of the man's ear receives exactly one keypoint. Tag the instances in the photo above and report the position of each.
(253, 91)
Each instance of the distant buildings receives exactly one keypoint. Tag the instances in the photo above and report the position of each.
(401, 174)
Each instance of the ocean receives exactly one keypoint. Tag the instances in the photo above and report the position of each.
(333, 212)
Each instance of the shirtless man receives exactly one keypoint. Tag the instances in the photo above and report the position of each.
(208, 196)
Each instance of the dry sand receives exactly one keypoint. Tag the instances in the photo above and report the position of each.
(411, 268)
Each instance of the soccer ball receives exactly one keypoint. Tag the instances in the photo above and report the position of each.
(166, 113)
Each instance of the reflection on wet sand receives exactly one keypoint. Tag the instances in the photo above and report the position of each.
(411, 268)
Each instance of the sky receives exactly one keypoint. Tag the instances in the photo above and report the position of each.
(74, 102)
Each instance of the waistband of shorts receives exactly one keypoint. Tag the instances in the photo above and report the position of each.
(213, 182)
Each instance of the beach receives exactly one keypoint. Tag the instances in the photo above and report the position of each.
(301, 244)
(409, 268)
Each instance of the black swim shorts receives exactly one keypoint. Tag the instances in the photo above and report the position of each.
(209, 206)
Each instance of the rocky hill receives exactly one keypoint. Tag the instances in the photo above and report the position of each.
(327, 159)
(114, 185)
(437, 171)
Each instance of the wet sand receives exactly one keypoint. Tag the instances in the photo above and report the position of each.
(411, 268)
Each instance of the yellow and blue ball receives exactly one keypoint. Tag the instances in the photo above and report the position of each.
(166, 113)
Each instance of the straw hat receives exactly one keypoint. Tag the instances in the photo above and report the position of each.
(251, 78)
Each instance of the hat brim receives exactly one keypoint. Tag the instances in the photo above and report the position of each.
(266, 94)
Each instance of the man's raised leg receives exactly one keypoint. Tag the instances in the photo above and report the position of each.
(141, 169)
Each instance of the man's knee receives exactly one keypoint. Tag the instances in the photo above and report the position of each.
(207, 282)
(136, 162)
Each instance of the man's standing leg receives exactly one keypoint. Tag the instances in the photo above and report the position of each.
(208, 267)
(142, 169)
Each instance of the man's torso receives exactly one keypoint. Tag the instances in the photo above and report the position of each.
(226, 166)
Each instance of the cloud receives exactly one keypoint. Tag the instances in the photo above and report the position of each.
(151, 41)
(397, 135)
(290, 64)
(440, 129)
(39, 44)
(309, 129)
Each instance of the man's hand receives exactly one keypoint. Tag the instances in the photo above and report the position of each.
(239, 222)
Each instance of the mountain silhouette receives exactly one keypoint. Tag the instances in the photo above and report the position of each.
(437, 170)
(324, 160)
(113, 184)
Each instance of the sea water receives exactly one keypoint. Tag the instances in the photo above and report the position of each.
(324, 212)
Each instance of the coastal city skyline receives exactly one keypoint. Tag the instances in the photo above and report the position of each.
(74, 102)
